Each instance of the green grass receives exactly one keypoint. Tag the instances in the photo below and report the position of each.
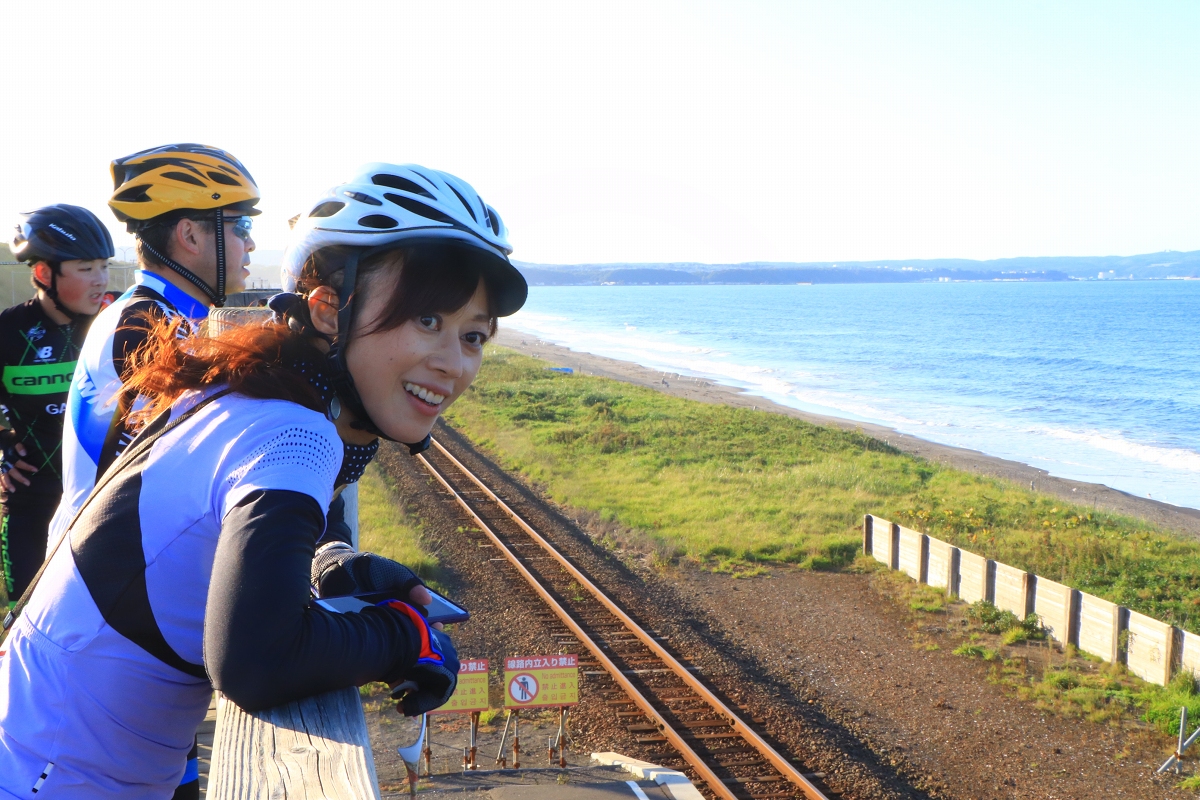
(733, 488)
(384, 527)
(928, 599)
(1108, 693)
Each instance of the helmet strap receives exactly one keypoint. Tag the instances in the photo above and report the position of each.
(339, 370)
(183, 271)
(219, 300)
(52, 292)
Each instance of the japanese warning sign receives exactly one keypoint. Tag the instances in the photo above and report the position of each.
(537, 681)
(471, 694)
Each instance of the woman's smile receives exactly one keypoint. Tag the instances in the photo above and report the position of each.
(428, 400)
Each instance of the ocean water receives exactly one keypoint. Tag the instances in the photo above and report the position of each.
(1094, 381)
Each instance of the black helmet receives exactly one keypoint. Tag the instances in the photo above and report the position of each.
(61, 233)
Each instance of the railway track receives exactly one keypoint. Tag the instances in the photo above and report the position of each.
(659, 699)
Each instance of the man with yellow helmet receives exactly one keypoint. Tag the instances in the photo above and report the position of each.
(189, 207)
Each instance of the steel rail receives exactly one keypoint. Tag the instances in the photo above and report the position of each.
(781, 764)
(638, 698)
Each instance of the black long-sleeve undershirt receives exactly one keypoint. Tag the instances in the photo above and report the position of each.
(264, 644)
(336, 527)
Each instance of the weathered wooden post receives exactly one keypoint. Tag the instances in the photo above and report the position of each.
(317, 747)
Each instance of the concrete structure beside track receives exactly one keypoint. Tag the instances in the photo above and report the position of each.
(1151, 649)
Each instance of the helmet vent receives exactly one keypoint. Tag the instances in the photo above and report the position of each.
(463, 200)
(379, 221)
(403, 184)
(327, 209)
(222, 178)
(419, 208)
(363, 198)
(134, 194)
(183, 177)
(493, 219)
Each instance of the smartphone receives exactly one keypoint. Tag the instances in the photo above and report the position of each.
(441, 609)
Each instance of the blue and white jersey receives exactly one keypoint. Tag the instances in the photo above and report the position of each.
(80, 701)
(94, 433)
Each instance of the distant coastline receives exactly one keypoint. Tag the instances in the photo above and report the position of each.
(1168, 265)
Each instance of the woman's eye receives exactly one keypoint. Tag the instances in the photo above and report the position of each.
(475, 338)
(429, 321)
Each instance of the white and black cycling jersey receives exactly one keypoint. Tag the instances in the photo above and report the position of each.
(187, 568)
(95, 433)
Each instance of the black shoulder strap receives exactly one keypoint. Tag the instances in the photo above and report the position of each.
(144, 302)
(162, 425)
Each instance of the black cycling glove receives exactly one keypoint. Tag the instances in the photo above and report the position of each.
(435, 674)
(8, 449)
(337, 569)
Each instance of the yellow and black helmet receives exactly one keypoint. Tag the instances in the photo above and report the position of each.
(179, 177)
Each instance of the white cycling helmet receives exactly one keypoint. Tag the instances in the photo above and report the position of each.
(389, 203)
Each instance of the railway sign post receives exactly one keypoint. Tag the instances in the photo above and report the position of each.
(539, 682)
(470, 697)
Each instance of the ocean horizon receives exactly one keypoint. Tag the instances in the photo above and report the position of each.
(1090, 381)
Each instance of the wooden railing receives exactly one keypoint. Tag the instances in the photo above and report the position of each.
(313, 748)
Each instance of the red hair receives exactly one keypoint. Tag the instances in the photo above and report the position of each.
(250, 359)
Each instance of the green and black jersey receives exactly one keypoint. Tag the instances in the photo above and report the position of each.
(38, 357)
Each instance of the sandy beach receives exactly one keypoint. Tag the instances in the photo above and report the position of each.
(1185, 520)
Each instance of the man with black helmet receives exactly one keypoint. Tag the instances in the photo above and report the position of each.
(68, 249)
(189, 206)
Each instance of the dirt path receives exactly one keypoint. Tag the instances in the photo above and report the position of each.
(824, 661)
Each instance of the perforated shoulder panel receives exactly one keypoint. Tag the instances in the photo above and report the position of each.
(294, 447)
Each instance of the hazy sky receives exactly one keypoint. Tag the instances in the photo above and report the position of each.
(644, 131)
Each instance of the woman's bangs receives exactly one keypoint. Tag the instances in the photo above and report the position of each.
(434, 279)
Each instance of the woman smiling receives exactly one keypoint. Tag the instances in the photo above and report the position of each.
(194, 561)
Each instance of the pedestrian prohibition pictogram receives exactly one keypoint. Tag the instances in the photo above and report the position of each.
(471, 694)
(537, 681)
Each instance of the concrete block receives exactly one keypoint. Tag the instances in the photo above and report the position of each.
(1011, 589)
(942, 569)
(674, 784)
(973, 577)
(1057, 606)
(913, 554)
(1187, 652)
(1149, 652)
(885, 544)
(1099, 626)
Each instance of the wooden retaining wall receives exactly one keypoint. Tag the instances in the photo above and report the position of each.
(1152, 650)
(1148, 652)
(913, 556)
(1099, 627)
(1187, 652)
(974, 575)
(943, 565)
(1057, 606)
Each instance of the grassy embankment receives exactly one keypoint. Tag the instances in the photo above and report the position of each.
(733, 489)
(385, 528)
